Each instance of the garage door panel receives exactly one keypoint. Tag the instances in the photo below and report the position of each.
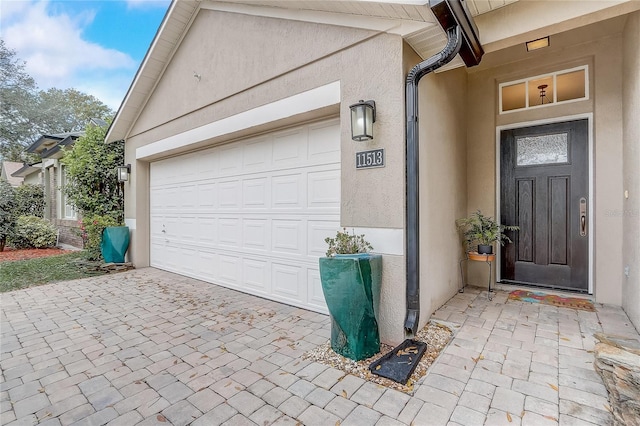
(171, 228)
(315, 296)
(172, 255)
(207, 231)
(288, 237)
(324, 190)
(157, 199)
(187, 258)
(208, 265)
(256, 275)
(207, 194)
(286, 281)
(317, 231)
(324, 144)
(288, 191)
(156, 224)
(256, 234)
(158, 248)
(255, 194)
(229, 232)
(229, 195)
(252, 215)
(288, 151)
(230, 271)
(230, 160)
(257, 156)
(188, 199)
(166, 198)
(188, 230)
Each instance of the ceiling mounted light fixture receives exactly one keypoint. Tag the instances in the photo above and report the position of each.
(543, 93)
(537, 44)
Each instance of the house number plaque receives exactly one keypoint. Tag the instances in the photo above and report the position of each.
(369, 159)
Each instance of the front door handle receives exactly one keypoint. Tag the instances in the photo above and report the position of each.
(583, 217)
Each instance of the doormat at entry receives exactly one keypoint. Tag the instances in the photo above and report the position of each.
(552, 299)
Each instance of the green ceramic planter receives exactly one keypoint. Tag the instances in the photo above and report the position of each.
(351, 286)
(115, 242)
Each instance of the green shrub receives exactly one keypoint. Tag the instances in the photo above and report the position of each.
(33, 232)
(92, 228)
(29, 200)
(7, 212)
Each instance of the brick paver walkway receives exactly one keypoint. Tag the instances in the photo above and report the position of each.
(150, 347)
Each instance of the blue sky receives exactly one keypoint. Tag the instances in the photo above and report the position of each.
(93, 46)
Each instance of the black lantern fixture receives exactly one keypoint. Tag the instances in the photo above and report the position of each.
(363, 115)
(123, 172)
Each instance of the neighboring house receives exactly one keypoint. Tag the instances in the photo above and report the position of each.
(57, 210)
(51, 173)
(237, 129)
(29, 173)
(7, 169)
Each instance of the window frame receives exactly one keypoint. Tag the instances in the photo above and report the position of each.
(553, 75)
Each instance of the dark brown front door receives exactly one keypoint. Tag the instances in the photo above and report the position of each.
(544, 191)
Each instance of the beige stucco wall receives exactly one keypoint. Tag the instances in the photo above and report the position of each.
(631, 168)
(603, 54)
(442, 181)
(443, 185)
(235, 79)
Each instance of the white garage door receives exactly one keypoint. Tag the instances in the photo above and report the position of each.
(251, 215)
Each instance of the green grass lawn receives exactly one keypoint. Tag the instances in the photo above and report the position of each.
(27, 273)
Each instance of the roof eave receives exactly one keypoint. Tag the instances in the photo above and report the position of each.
(118, 130)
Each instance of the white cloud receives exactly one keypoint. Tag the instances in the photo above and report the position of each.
(133, 4)
(51, 43)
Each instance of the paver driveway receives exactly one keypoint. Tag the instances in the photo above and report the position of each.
(151, 347)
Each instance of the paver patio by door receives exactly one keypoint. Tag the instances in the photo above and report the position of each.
(151, 347)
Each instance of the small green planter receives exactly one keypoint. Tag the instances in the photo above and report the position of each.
(351, 286)
(115, 242)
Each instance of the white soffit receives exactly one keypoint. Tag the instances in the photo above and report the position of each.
(311, 100)
(386, 24)
(412, 19)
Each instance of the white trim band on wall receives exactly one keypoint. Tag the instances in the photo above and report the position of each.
(383, 240)
(308, 101)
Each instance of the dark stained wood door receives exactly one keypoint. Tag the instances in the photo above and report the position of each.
(544, 191)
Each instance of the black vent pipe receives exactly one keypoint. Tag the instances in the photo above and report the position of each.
(462, 37)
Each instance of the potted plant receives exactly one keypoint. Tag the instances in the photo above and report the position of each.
(483, 231)
(351, 279)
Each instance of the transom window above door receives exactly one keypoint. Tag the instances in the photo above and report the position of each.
(544, 90)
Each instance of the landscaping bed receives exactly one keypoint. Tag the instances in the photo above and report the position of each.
(10, 254)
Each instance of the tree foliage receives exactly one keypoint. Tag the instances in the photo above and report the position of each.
(18, 94)
(69, 110)
(26, 113)
(92, 186)
(7, 215)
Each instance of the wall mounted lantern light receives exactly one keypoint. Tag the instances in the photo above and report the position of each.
(363, 115)
(123, 172)
(537, 44)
